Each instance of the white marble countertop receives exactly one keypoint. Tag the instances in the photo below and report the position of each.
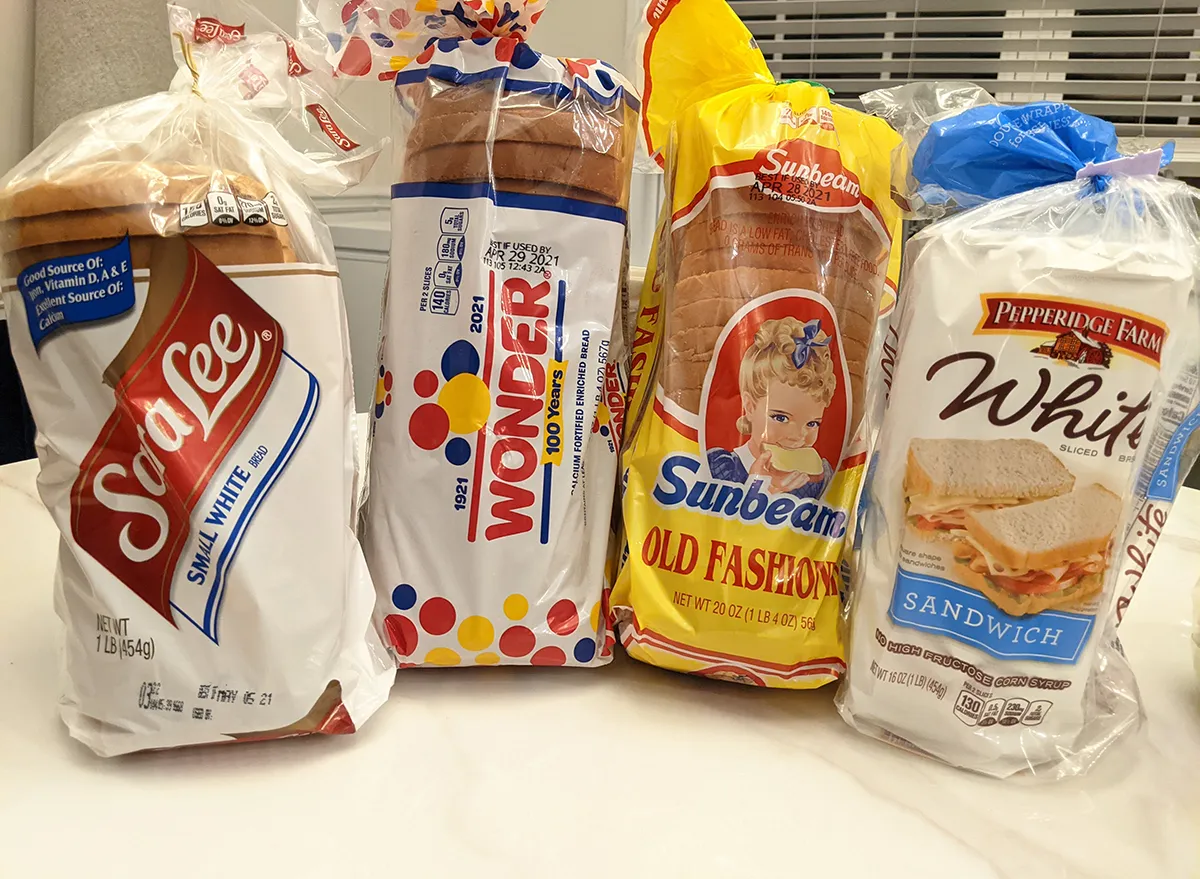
(625, 770)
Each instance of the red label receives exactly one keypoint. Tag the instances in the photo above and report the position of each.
(295, 65)
(614, 399)
(330, 128)
(800, 170)
(657, 12)
(1079, 332)
(180, 407)
(208, 29)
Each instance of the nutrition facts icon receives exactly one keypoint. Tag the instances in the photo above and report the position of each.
(974, 711)
(443, 301)
(452, 247)
(968, 708)
(992, 712)
(454, 220)
(1036, 713)
(447, 273)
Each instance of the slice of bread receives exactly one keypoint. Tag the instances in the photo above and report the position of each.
(1048, 533)
(1021, 605)
(1017, 468)
(115, 184)
(598, 173)
(117, 222)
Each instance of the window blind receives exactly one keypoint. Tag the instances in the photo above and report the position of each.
(1133, 62)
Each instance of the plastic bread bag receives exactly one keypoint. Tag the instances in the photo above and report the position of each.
(1047, 355)
(755, 337)
(177, 320)
(501, 394)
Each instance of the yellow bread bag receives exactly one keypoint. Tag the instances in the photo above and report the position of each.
(756, 338)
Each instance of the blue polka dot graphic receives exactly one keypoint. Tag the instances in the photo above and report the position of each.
(404, 596)
(458, 451)
(585, 650)
(458, 358)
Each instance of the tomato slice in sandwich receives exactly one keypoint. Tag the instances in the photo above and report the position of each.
(1033, 583)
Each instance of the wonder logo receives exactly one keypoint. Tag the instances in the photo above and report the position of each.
(462, 406)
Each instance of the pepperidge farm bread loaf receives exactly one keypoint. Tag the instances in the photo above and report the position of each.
(176, 316)
(1047, 362)
(754, 343)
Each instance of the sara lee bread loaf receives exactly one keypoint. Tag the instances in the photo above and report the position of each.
(1047, 361)
(755, 341)
(495, 439)
(176, 317)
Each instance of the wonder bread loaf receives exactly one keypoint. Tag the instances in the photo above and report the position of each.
(496, 437)
(750, 359)
(176, 317)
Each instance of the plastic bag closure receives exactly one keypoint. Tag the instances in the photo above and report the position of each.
(965, 149)
(361, 39)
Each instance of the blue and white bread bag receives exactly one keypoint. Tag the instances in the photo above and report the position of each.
(500, 400)
(1030, 446)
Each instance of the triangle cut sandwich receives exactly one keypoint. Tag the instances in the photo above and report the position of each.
(947, 479)
(1042, 555)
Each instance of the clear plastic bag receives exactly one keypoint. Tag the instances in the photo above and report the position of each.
(496, 433)
(176, 317)
(758, 329)
(1047, 357)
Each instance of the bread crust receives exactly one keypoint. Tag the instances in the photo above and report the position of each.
(597, 173)
(222, 250)
(919, 481)
(122, 184)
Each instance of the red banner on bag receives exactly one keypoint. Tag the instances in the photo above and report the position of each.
(180, 406)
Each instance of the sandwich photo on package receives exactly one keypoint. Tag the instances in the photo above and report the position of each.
(1040, 337)
(757, 332)
(495, 436)
(175, 313)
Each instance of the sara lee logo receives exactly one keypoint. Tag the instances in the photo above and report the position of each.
(209, 29)
(182, 402)
(295, 65)
(806, 171)
(330, 128)
(1081, 333)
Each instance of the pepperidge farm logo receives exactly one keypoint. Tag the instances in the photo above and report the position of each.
(1083, 334)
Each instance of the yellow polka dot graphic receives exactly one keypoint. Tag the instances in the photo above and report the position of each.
(467, 401)
(516, 606)
(442, 656)
(476, 633)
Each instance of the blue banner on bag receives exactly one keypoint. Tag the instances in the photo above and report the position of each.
(936, 605)
(1164, 484)
(72, 290)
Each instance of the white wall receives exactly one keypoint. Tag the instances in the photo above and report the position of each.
(16, 82)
